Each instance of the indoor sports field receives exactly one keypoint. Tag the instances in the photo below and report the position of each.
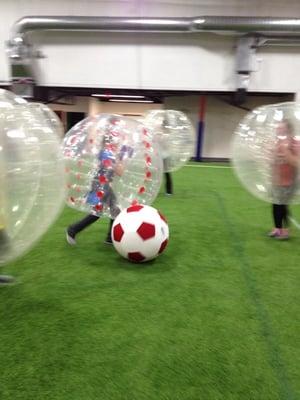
(216, 317)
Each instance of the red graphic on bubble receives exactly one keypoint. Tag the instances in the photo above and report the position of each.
(98, 207)
(111, 147)
(107, 163)
(103, 180)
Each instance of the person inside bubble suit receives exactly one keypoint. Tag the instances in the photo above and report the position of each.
(165, 154)
(168, 176)
(284, 177)
(4, 238)
(101, 193)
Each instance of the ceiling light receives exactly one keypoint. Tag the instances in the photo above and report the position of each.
(131, 101)
(123, 96)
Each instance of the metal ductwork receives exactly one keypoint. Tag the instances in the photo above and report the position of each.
(252, 32)
(245, 64)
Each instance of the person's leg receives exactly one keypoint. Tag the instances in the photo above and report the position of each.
(277, 218)
(285, 215)
(114, 211)
(285, 222)
(108, 239)
(74, 229)
(169, 183)
(280, 214)
(277, 214)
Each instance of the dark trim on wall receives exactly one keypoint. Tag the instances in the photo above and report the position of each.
(212, 159)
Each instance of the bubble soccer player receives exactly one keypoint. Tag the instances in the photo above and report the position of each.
(108, 168)
(111, 163)
(174, 133)
(32, 187)
(266, 159)
(4, 239)
(284, 177)
(166, 164)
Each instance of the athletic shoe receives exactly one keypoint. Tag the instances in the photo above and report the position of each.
(274, 232)
(284, 234)
(108, 240)
(70, 236)
(6, 280)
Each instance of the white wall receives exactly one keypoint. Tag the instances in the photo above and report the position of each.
(80, 104)
(159, 61)
(221, 120)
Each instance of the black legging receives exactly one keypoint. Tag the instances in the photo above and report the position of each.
(85, 222)
(280, 215)
(169, 183)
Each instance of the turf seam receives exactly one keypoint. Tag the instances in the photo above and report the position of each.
(267, 332)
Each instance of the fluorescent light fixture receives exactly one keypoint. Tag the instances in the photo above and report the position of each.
(122, 96)
(131, 101)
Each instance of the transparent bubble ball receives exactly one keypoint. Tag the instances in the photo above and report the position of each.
(266, 152)
(31, 176)
(175, 136)
(50, 118)
(111, 163)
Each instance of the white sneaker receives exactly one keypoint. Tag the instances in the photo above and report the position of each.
(70, 239)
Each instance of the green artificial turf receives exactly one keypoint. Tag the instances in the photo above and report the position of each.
(215, 317)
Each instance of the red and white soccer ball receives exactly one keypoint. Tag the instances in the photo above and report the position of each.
(140, 233)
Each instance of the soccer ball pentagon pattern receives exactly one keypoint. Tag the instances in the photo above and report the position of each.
(140, 233)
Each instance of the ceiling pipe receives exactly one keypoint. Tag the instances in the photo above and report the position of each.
(22, 54)
(197, 24)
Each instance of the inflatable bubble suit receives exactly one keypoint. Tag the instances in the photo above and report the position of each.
(111, 163)
(266, 152)
(31, 176)
(175, 135)
(49, 116)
